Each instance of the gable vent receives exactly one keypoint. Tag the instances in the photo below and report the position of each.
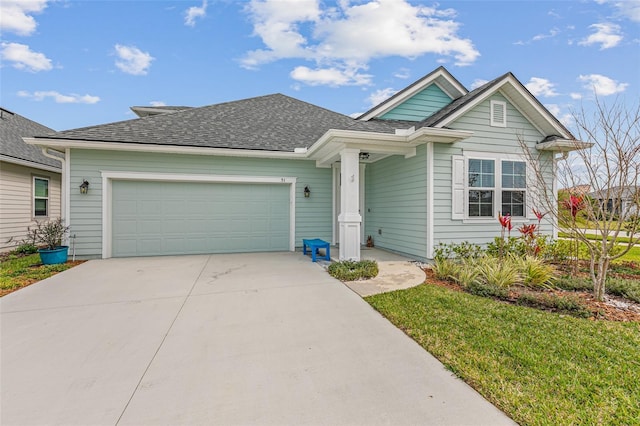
(498, 114)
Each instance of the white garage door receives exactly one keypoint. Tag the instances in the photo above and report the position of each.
(168, 218)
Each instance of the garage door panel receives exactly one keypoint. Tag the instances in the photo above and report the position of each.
(154, 218)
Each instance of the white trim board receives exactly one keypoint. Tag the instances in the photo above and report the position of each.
(109, 176)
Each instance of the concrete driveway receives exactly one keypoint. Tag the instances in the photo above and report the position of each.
(224, 339)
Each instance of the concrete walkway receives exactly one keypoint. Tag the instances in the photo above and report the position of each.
(225, 339)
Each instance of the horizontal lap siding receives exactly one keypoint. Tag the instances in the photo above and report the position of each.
(16, 210)
(396, 203)
(313, 215)
(419, 106)
(485, 139)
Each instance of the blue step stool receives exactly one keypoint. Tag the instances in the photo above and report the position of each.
(314, 245)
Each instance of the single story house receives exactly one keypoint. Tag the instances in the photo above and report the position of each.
(30, 182)
(619, 200)
(433, 163)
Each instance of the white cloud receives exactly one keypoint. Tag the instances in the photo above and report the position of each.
(330, 76)
(563, 117)
(629, 9)
(606, 34)
(132, 60)
(552, 33)
(16, 15)
(157, 103)
(380, 96)
(541, 87)
(478, 82)
(602, 85)
(402, 73)
(60, 98)
(575, 96)
(24, 58)
(346, 37)
(195, 12)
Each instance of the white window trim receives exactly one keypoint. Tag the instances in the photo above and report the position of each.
(34, 197)
(502, 123)
(497, 195)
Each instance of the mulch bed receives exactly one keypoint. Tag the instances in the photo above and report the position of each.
(612, 309)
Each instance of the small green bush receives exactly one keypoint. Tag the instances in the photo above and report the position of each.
(348, 270)
(483, 289)
(629, 289)
(536, 273)
(461, 251)
(569, 304)
(501, 273)
(444, 268)
(25, 248)
(569, 282)
(466, 273)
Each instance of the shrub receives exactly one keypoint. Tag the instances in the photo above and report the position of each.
(508, 246)
(25, 248)
(465, 273)
(348, 270)
(501, 273)
(461, 251)
(569, 304)
(629, 289)
(536, 273)
(570, 282)
(483, 289)
(444, 268)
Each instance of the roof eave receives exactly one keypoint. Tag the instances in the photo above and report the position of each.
(563, 145)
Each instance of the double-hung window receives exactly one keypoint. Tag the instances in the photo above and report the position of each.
(486, 185)
(40, 197)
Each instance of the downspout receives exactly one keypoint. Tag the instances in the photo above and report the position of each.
(63, 182)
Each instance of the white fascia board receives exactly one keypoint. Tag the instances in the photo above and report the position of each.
(165, 149)
(510, 80)
(31, 164)
(439, 135)
(419, 85)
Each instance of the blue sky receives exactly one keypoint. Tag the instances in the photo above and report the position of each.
(69, 64)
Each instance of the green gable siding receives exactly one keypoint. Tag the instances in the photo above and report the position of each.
(419, 106)
(313, 215)
(485, 139)
(395, 203)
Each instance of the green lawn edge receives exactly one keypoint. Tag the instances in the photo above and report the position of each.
(539, 368)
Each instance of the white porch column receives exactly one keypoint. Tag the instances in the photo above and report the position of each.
(349, 217)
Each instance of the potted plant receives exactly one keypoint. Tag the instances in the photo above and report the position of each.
(50, 234)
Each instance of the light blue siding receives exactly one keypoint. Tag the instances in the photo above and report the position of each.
(396, 204)
(313, 215)
(419, 106)
(485, 139)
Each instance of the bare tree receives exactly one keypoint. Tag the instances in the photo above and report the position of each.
(610, 168)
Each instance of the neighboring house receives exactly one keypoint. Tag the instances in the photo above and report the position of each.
(29, 180)
(619, 200)
(434, 163)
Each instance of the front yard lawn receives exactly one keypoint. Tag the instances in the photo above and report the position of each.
(20, 271)
(539, 368)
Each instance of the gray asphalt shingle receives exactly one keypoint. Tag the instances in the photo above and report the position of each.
(13, 127)
(271, 123)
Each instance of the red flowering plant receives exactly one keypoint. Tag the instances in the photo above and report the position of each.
(530, 238)
(507, 226)
(575, 203)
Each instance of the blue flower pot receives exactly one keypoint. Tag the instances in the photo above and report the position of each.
(55, 256)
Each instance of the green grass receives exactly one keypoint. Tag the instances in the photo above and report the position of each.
(539, 368)
(633, 255)
(595, 237)
(16, 272)
(348, 270)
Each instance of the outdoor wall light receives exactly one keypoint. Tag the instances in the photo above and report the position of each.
(84, 187)
(364, 155)
(307, 192)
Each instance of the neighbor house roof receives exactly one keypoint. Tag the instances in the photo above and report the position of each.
(13, 127)
(627, 192)
(272, 122)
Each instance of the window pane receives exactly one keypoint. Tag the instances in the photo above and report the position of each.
(480, 203)
(514, 174)
(487, 166)
(41, 188)
(481, 173)
(488, 181)
(513, 203)
(474, 179)
(40, 207)
(474, 166)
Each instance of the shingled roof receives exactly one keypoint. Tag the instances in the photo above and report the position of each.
(272, 122)
(13, 127)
